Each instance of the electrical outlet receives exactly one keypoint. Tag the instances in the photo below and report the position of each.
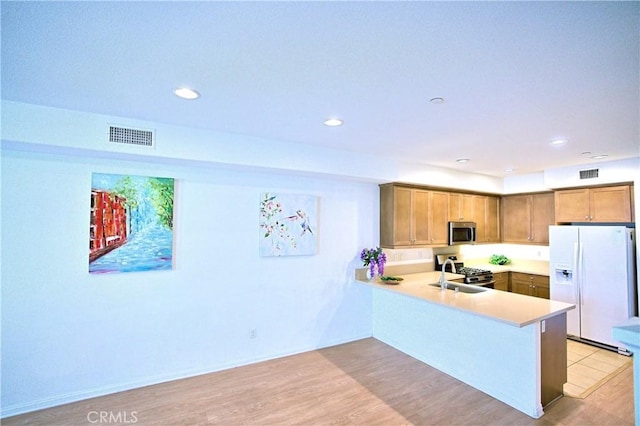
(253, 333)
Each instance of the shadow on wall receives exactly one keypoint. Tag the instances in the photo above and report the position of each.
(335, 318)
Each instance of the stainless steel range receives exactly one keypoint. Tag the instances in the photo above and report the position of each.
(475, 276)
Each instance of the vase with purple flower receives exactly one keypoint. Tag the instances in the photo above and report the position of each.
(375, 259)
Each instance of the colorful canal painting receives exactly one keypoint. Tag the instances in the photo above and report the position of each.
(131, 227)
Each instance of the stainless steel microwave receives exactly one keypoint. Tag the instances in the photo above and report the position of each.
(462, 233)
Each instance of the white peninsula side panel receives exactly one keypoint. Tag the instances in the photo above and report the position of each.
(497, 358)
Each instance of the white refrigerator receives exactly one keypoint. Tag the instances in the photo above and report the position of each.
(593, 267)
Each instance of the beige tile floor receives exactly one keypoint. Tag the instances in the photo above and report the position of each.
(588, 366)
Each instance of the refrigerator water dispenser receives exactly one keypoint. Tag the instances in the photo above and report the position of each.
(564, 274)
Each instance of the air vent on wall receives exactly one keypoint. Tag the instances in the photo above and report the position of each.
(589, 174)
(127, 136)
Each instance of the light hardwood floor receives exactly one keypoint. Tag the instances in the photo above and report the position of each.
(359, 383)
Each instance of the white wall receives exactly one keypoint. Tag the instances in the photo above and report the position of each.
(68, 335)
(73, 131)
(533, 182)
(609, 172)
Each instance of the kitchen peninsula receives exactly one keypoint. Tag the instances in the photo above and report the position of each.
(510, 346)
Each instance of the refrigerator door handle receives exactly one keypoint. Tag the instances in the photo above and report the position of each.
(582, 272)
(577, 268)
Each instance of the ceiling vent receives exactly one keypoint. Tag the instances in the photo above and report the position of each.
(589, 174)
(127, 136)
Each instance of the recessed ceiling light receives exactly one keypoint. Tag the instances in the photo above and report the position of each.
(437, 100)
(463, 160)
(599, 156)
(333, 122)
(558, 142)
(186, 93)
(510, 170)
(586, 153)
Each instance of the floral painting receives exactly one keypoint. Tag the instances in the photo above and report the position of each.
(131, 225)
(288, 224)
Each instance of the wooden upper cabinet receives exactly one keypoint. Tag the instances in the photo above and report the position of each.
(526, 218)
(404, 216)
(397, 219)
(461, 207)
(543, 216)
(412, 216)
(416, 216)
(488, 224)
(484, 210)
(516, 218)
(439, 217)
(478, 207)
(420, 222)
(572, 205)
(600, 204)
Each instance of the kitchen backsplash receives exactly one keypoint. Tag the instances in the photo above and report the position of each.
(512, 251)
(409, 256)
(476, 252)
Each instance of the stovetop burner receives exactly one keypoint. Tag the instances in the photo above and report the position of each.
(472, 275)
(476, 275)
(468, 271)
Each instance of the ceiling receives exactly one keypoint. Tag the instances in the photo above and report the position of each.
(513, 75)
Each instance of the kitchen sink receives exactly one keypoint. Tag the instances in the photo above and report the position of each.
(461, 288)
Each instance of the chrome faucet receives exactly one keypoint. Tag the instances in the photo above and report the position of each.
(443, 280)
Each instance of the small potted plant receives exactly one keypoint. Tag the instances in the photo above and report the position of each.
(499, 259)
(375, 259)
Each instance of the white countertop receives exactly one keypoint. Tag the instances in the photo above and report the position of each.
(510, 308)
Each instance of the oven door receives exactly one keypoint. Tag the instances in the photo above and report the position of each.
(486, 284)
(486, 281)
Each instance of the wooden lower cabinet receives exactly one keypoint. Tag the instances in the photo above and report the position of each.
(530, 285)
(502, 281)
(553, 358)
